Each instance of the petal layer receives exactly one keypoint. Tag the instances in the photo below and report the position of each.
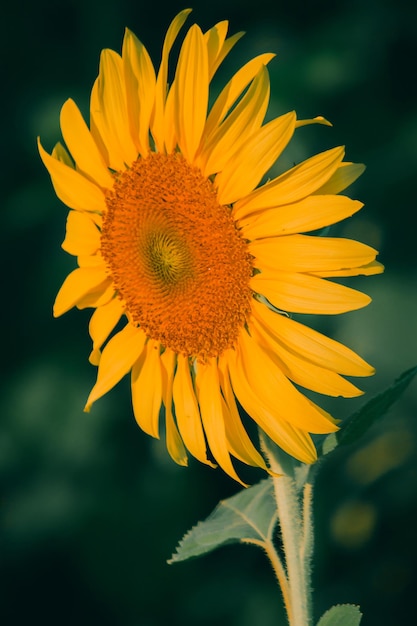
(118, 358)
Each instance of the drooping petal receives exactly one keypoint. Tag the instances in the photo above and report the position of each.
(71, 187)
(212, 414)
(102, 323)
(76, 285)
(241, 175)
(117, 359)
(276, 392)
(82, 146)
(309, 214)
(304, 253)
(294, 185)
(82, 235)
(312, 345)
(302, 293)
(187, 411)
(239, 442)
(295, 441)
(140, 83)
(147, 388)
(174, 443)
(191, 92)
(300, 370)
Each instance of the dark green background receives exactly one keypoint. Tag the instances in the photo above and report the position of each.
(90, 507)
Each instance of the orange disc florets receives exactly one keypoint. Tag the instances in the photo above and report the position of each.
(175, 256)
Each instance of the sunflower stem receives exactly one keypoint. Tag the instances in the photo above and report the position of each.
(294, 510)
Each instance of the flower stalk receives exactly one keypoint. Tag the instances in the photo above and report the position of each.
(294, 513)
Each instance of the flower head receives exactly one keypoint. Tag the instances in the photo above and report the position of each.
(178, 239)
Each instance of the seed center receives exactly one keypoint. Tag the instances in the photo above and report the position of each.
(167, 258)
(176, 257)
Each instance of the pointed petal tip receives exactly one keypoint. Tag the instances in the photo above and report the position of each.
(58, 310)
(322, 120)
(94, 357)
(315, 120)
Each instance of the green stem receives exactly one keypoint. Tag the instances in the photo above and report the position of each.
(279, 573)
(277, 566)
(295, 520)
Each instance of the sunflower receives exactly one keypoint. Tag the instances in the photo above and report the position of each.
(192, 263)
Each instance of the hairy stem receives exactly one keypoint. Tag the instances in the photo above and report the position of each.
(296, 526)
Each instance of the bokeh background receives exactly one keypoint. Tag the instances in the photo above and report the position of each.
(90, 507)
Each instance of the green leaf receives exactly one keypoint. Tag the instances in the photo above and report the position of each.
(250, 515)
(341, 615)
(359, 423)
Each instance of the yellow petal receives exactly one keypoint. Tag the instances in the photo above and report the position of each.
(118, 357)
(272, 387)
(174, 442)
(233, 90)
(294, 185)
(315, 120)
(238, 440)
(82, 146)
(218, 48)
(82, 235)
(304, 253)
(187, 411)
(295, 441)
(170, 135)
(212, 414)
(91, 260)
(191, 92)
(140, 89)
(300, 370)
(301, 293)
(233, 133)
(214, 40)
(102, 322)
(60, 154)
(345, 175)
(147, 388)
(304, 216)
(111, 117)
(312, 345)
(365, 270)
(97, 127)
(97, 297)
(76, 285)
(256, 157)
(71, 187)
(158, 121)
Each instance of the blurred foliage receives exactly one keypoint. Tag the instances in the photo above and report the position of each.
(90, 507)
